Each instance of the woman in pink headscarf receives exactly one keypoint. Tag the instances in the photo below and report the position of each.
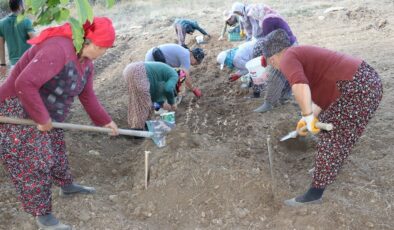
(42, 87)
(250, 25)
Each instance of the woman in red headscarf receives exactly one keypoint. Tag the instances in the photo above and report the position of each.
(42, 87)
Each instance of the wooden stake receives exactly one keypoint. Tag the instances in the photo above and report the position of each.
(146, 169)
(271, 165)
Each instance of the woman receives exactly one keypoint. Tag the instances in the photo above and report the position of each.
(42, 87)
(236, 58)
(178, 57)
(148, 83)
(249, 26)
(278, 88)
(232, 21)
(187, 26)
(334, 87)
(14, 34)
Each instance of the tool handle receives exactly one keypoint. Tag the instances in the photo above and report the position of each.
(69, 126)
(324, 126)
(320, 125)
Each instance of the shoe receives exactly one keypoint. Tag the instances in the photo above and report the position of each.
(264, 108)
(284, 100)
(294, 203)
(58, 226)
(76, 189)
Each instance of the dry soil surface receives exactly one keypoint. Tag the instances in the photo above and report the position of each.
(215, 171)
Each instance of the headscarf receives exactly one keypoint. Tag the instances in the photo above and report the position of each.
(226, 58)
(101, 32)
(275, 42)
(221, 58)
(238, 7)
(181, 78)
(261, 12)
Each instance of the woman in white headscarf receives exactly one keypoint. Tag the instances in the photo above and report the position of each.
(249, 26)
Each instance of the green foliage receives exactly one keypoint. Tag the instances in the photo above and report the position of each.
(77, 29)
(48, 11)
(4, 7)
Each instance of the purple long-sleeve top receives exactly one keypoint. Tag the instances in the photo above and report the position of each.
(48, 77)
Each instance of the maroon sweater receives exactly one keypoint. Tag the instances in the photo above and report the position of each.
(319, 68)
(48, 77)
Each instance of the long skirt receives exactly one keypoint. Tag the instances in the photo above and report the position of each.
(140, 103)
(33, 159)
(349, 115)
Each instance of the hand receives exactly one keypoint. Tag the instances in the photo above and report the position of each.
(301, 128)
(173, 107)
(207, 37)
(234, 77)
(311, 121)
(220, 38)
(45, 127)
(197, 92)
(112, 125)
(263, 61)
(166, 106)
(3, 71)
(242, 33)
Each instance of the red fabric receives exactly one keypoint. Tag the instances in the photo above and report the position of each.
(100, 32)
(197, 92)
(234, 77)
(263, 61)
(319, 68)
(32, 72)
(64, 31)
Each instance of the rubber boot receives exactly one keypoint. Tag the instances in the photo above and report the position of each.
(49, 222)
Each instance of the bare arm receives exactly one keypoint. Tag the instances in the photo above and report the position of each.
(224, 30)
(31, 34)
(302, 94)
(316, 109)
(188, 81)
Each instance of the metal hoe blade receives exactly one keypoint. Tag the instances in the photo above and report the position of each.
(292, 134)
(159, 128)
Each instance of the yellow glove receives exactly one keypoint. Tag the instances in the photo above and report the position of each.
(301, 128)
(242, 33)
(311, 121)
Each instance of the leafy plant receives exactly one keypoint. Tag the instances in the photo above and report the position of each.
(48, 11)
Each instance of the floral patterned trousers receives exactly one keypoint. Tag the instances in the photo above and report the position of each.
(34, 159)
(349, 115)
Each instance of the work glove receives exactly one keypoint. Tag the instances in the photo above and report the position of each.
(242, 33)
(234, 77)
(263, 61)
(197, 92)
(310, 123)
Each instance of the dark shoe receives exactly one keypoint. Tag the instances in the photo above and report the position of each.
(76, 189)
(49, 222)
(294, 203)
(265, 107)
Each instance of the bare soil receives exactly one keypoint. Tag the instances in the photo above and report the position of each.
(215, 172)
